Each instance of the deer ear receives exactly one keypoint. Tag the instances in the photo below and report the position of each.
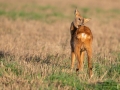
(77, 12)
(86, 20)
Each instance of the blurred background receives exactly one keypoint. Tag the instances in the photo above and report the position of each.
(35, 44)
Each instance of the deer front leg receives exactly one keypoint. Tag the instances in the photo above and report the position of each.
(72, 59)
(72, 53)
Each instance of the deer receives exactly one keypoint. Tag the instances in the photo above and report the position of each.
(81, 41)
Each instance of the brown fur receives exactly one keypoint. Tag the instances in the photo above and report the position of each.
(81, 40)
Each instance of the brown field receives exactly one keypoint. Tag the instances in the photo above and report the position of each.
(34, 49)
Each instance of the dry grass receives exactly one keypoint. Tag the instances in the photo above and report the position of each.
(35, 53)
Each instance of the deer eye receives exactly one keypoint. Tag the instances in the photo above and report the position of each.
(79, 19)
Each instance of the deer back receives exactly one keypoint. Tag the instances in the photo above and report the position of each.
(83, 33)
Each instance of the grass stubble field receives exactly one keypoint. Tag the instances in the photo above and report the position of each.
(35, 45)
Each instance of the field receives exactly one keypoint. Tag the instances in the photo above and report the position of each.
(35, 45)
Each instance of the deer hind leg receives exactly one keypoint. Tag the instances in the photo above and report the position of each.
(78, 55)
(89, 54)
(82, 59)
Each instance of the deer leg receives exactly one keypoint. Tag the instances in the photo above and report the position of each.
(82, 58)
(72, 59)
(77, 53)
(89, 54)
(72, 53)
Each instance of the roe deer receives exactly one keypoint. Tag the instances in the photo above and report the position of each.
(81, 40)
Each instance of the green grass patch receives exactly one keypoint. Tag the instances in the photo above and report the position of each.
(107, 69)
(115, 69)
(117, 11)
(22, 14)
(106, 85)
(64, 79)
(2, 68)
(38, 7)
(46, 13)
(2, 12)
(31, 15)
(10, 66)
(85, 9)
(99, 10)
(73, 81)
(14, 68)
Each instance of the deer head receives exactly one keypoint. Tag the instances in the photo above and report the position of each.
(79, 20)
